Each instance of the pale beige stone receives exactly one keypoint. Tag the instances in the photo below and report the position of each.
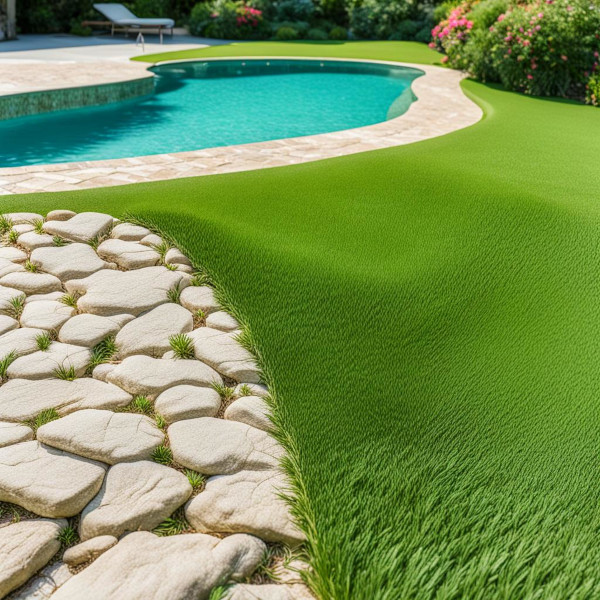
(222, 321)
(101, 371)
(8, 266)
(7, 324)
(128, 255)
(49, 296)
(255, 389)
(14, 254)
(151, 240)
(187, 402)
(225, 354)
(269, 591)
(245, 502)
(216, 447)
(8, 294)
(103, 435)
(80, 228)
(151, 376)
(46, 481)
(46, 314)
(89, 550)
(134, 496)
(32, 240)
(129, 232)
(89, 330)
(44, 584)
(20, 341)
(251, 410)
(19, 218)
(72, 261)
(110, 292)
(174, 256)
(202, 298)
(150, 332)
(13, 433)
(24, 399)
(179, 567)
(23, 228)
(25, 547)
(45, 364)
(60, 215)
(32, 283)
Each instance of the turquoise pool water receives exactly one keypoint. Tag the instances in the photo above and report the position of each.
(215, 103)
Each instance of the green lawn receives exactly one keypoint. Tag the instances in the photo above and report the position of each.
(430, 318)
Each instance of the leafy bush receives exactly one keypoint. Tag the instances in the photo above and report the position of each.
(544, 48)
(592, 95)
(376, 19)
(226, 19)
(151, 8)
(317, 34)
(301, 27)
(295, 10)
(338, 33)
(78, 29)
(286, 33)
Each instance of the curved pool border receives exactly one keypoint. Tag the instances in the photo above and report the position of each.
(441, 108)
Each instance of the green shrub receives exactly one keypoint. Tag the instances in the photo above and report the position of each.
(338, 33)
(374, 19)
(286, 33)
(294, 10)
(592, 95)
(424, 34)
(227, 19)
(78, 29)
(300, 27)
(486, 13)
(200, 18)
(317, 34)
(151, 8)
(406, 30)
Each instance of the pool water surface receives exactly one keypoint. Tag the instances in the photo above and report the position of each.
(206, 104)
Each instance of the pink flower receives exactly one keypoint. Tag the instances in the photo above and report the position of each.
(444, 60)
(540, 15)
(569, 8)
(538, 27)
(431, 45)
(530, 76)
(564, 57)
(521, 29)
(501, 18)
(596, 54)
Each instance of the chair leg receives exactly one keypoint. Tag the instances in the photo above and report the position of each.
(112, 30)
(160, 33)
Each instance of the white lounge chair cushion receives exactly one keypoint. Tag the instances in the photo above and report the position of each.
(121, 15)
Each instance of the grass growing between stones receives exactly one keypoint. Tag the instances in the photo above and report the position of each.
(182, 345)
(162, 455)
(46, 416)
(173, 525)
(197, 480)
(68, 536)
(69, 300)
(16, 306)
(5, 363)
(43, 341)
(103, 352)
(66, 373)
(428, 318)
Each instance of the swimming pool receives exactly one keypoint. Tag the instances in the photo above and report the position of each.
(205, 104)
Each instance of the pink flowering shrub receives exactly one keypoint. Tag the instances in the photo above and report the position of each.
(451, 34)
(227, 19)
(592, 90)
(543, 47)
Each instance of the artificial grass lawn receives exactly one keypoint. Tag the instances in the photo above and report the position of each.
(429, 315)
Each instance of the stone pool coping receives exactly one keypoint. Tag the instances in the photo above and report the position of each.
(441, 108)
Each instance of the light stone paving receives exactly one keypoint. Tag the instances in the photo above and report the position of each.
(112, 428)
(440, 109)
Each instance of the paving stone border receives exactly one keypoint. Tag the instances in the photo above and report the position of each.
(135, 453)
(441, 108)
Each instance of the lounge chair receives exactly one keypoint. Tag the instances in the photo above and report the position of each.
(122, 19)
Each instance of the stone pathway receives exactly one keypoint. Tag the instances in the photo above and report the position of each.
(135, 453)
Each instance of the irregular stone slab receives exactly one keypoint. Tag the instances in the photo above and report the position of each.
(174, 256)
(14, 254)
(80, 228)
(187, 402)
(22, 399)
(251, 410)
(32, 283)
(114, 292)
(72, 261)
(44, 584)
(18, 218)
(101, 371)
(89, 330)
(134, 496)
(25, 547)
(60, 215)
(20, 341)
(48, 296)
(128, 255)
(215, 447)
(89, 550)
(46, 314)
(103, 435)
(180, 567)
(248, 502)
(23, 228)
(256, 389)
(150, 333)
(151, 376)
(13, 433)
(224, 353)
(6, 295)
(8, 266)
(151, 240)
(196, 298)
(269, 591)
(222, 320)
(43, 364)
(129, 232)
(7, 324)
(46, 481)
(32, 240)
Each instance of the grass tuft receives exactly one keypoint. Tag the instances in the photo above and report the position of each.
(198, 279)
(173, 525)
(68, 536)
(162, 455)
(103, 352)
(70, 300)
(182, 345)
(226, 393)
(58, 241)
(66, 373)
(43, 341)
(141, 404)
(162, 250)
(245, 390)
(38, 226)
(31, 267)
(12, 236)
(197, 480)
(46, 416)
(17, 304)
(6, 362)
(5, 224)
(161, 423)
